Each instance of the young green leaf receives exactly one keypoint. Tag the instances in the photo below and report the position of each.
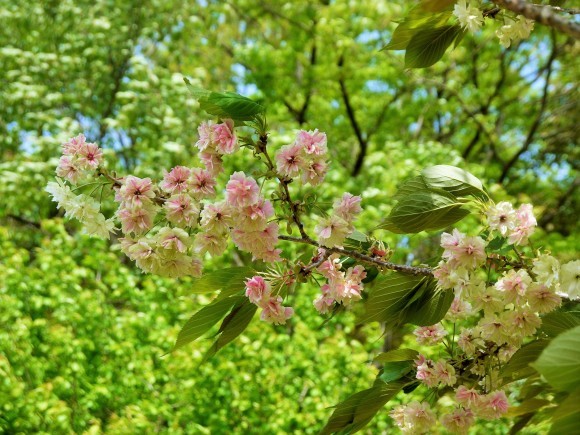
(558, 363)
(204, 319)
(424, 211)
(429, 45)
(232, 326)
(396, 355)
(359, 409)
(456, 181)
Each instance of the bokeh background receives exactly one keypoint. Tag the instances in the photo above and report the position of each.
(82, 331)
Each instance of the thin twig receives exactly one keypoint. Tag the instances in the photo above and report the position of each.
(412, 270)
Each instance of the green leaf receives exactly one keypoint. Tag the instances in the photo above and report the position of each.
(396, 355)
(233, 325)
(415, 22)
(520, 361)
(224, 279)
(410, 186)
(566, 426)
(454, 180)
(531, 405)
(555, 323)
(204, 319)
(431, 307)
(424, 211)
(226, 104)
(390, 295)
(559, 363)
(568, 406)
(429, 45)
(357, 410)
(395, 370)
(231, 105)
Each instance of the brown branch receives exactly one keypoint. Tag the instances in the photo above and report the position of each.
(353, 122)
(300, 114)
(542, 14)
(412, 270)
(538, 120)
(23, 220)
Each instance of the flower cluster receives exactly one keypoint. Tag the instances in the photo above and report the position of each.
(343, 287)
(513, 30)
(502, 302)
(333, 229)
(259, 292)
(517, 225)
(79, 159)
(306, 157)
(520, 28)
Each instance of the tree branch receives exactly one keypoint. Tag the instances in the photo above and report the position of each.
(542, 14)
(539, 116)
(353, 122)
(363, 258)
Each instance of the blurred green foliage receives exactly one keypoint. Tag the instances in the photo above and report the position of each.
(82, 332)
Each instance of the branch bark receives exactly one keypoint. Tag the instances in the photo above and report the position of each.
(545, 15)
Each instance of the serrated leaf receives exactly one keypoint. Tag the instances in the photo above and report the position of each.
(431, 307)
(429, 45)
(424, 211)
(390, 295)
(520, 361)
(203, 320)
(223, 279)
(456, 181)
(396, 355)
(559, 363)
(555, 323)
(232, 326)
(357, 411)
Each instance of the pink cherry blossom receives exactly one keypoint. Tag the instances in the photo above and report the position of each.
(214, 243)
(256, 289)
(450, 242)
(177, 180)
(470, 252)
(332, 231)
(313, 142)
(181, 210)
(69, 169)
(216, 217)
(324, 302)
(274, 312)
(492, 406)
(445, 373)
(206, 132)
(430, 335)
(348, 207)
(467, 397)
(314, 171)
(89, 156)
(173, 239)
(137, 219)
(213, 162)
(224, 137)
(254, 217)
(202, 183)
(459, 421)
(542, 299)
(242, 191)
(136, 191)
(74, 144)
(289, 160)
(514, 285)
